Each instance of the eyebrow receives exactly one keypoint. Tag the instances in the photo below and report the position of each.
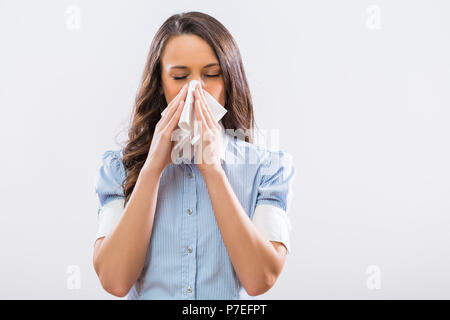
(184, 67)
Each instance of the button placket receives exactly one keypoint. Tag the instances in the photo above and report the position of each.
(189, 234)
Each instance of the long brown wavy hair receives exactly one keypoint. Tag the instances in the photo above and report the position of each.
(150, 102)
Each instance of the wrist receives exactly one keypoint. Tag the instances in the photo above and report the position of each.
(212, 171)
(151, 171)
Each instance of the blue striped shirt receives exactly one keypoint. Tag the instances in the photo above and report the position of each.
(187, 258)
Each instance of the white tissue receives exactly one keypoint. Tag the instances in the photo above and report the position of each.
(188, 134)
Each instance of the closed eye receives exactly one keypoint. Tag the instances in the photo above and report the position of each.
(208, 75)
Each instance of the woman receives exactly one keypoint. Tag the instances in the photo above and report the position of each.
(213, 229)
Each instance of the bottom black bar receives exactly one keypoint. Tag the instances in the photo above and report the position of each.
(228, 309)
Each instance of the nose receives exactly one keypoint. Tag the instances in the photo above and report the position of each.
(199, 83)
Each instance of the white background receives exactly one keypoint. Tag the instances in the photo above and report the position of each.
(358, 89)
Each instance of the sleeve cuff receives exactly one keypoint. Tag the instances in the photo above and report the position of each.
(274, 223)
(109, 216)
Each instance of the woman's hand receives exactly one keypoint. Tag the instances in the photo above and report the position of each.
(210, 143)
(159, 155)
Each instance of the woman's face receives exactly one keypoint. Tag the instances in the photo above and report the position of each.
(189, 57)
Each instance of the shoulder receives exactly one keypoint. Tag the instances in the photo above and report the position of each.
(112, 160)
(111, 173)
(112, 155)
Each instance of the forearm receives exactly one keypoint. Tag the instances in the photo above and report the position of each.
(122, 253)
(253, 257)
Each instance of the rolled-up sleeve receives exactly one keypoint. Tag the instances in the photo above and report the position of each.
(109, 190)
(274, 197)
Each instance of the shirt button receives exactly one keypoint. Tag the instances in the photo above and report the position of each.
(189, 211)
(189, 289)
(190, 175)
(189, 249)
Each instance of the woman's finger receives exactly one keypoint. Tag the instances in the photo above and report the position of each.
(179, 95)
(205, 108)
(175, 117)
(172, 107)
(209, 112)
(200, 117)
(215, 123)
